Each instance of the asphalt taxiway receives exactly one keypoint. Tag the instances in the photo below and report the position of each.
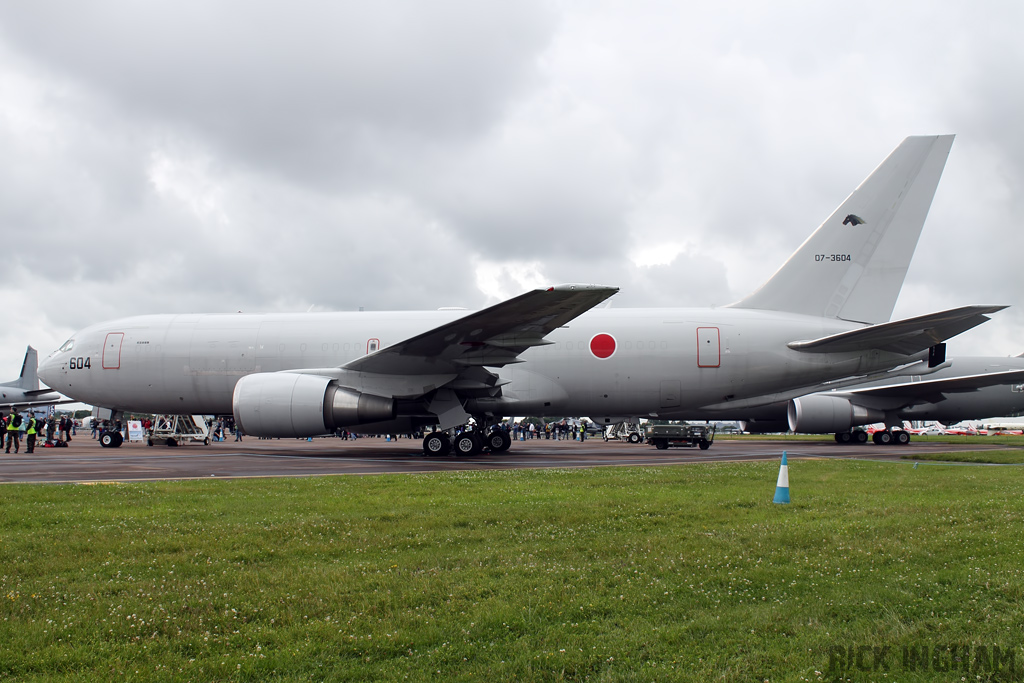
(85, 461)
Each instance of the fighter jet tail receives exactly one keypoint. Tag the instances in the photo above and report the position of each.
(853, 266)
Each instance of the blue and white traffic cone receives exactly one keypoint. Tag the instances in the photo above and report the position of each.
(782, 487)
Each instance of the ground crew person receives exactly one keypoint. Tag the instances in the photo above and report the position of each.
(12, 432)
(30, 435)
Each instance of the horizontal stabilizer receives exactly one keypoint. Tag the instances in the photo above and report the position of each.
(902, 336)
(36, 393)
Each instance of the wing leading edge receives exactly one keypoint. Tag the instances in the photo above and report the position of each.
(493, 337)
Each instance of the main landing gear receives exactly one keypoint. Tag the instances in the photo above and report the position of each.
(466, 443)
(885, 437)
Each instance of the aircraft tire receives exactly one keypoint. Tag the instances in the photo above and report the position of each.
(883, 438)
(902, 438)
(467, 444)
(107, 440)
(436, 443)
(860, 436)
(634, 437)
(844, 437)
(498, 441)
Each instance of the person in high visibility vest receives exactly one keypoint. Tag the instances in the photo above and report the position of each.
(12, 432)
(30, 435)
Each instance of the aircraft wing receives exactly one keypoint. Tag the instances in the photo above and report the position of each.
(31, 399)
(492, 337)
(932, 390)
(902, 336)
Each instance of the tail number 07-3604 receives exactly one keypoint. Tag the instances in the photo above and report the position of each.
(832, 258)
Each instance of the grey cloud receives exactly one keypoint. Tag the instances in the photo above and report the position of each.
(309, 89)
(221, 156)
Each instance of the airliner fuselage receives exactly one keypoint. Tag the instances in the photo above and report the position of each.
(644, 362)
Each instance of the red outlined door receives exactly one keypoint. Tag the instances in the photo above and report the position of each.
(372, 345)
(112, 351)
(709, 347)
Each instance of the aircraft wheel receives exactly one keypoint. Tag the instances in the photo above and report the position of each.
(107, 440)
(844, 437)
(118, 439)
(704, 444)
(171, 442)
(860, 436)
(661, 444)
(883, 438)
(467, 443)
(498, 441)
(436, 443)
(902, 438)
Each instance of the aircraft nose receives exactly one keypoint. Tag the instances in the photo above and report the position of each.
(45, 369)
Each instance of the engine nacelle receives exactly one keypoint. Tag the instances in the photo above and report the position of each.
(288, 404)
(823, 414)
(764, 426)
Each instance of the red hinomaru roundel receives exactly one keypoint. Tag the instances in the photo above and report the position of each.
(602, 345)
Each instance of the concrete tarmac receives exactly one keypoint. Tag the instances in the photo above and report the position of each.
(85, 461)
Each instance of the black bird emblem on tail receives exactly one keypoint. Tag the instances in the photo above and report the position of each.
(853, 219)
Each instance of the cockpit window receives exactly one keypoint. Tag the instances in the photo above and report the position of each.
(68, 345)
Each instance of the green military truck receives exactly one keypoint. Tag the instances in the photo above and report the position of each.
(682, 435)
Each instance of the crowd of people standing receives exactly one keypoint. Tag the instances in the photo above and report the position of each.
(14, 426)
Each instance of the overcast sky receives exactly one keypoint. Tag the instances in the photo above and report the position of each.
(209, 156)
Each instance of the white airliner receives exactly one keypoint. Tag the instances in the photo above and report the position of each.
(971, 388)
(823, 316)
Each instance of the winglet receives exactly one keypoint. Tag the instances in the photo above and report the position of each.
(854, 264)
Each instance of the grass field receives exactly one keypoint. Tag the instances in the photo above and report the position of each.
(636, 574)
(1010, 457)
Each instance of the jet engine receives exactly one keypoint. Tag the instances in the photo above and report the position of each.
(289, 404)
(823, 414)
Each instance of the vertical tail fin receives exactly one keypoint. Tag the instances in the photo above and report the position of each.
(853, 266)
(28, 380)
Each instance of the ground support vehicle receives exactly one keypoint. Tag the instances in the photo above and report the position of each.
(175, 429)
(682, 435)
(624, 431)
